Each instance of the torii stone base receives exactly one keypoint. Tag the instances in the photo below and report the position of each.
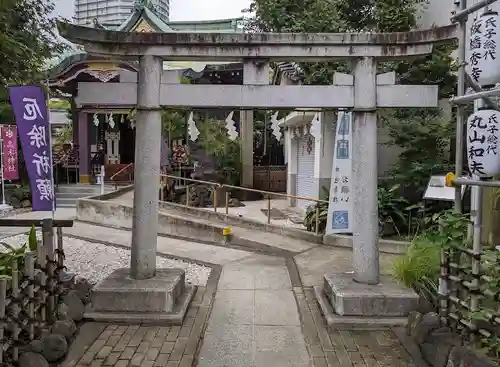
(162, 300)
(347, 304)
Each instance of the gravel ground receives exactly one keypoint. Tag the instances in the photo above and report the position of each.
(95, 261)
(13, 212)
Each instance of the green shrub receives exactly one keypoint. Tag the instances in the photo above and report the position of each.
(419, 267)
(312, 213)
(12, 254)
(22, 193)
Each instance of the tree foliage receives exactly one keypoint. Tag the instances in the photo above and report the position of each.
(28, 39)
(314, 16)
(423, 135)
(217, 144)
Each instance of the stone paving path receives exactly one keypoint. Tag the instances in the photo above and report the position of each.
(254, 312)
(254, 320)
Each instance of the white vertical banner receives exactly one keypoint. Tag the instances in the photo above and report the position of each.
(340, 208)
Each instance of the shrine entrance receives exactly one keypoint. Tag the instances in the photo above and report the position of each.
(127, 143)
(361, 92)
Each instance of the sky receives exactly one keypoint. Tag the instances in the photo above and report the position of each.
(181, 9)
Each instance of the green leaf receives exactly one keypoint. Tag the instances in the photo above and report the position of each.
(7, 246)
(32, 241)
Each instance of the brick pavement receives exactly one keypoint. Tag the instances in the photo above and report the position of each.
(113, 345)
(178, 346)
(347, 348)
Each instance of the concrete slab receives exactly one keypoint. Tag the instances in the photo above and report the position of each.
(120, 293)
(162, 300)
(335, 322)
(234, 279)
(276, 308)
(313, 264)
(166, 246)
(246, 237)
(272, 279)
(280, 346)
(386, 299)
(229, 346)
(255, 321)
(147, 318)
(234, 307)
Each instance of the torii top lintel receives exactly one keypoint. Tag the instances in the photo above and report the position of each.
(265, 46)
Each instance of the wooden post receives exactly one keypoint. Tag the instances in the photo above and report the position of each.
(29, 261)
(17, 310)
(3, 302)
(214, 198)
(41, 261)
(60, 257)
(48, 244)
(268, 209)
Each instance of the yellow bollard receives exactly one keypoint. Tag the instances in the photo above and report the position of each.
(226, 232)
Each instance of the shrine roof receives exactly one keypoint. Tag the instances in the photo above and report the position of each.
(146, 20)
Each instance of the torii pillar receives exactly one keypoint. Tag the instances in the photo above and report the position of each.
(364, 293)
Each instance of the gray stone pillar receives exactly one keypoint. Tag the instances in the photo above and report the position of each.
(364, 169)
(147, 169)
(254, 73)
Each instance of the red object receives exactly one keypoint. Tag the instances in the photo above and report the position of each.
(9, 147)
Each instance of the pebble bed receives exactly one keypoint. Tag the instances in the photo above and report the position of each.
(95, 261)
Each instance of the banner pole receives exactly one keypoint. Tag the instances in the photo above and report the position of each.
(1, 169)
(51, 157)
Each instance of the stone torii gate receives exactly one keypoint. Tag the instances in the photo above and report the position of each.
(359, 92)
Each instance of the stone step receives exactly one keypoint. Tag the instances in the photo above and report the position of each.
(65, 202)
(83, 189)
(73, 195)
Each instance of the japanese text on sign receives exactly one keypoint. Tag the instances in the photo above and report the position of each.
(482, 44)
(340, 207)
(482, 142)
(30, 109)
(9, 152)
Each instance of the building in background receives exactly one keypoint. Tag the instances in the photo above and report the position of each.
(113, 13)
(111, 127)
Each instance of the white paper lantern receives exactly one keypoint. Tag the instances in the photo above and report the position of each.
(483, 135)
(483, 62)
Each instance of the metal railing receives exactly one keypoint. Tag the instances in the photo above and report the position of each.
(68, 168)
(112, 178)
(217, 186)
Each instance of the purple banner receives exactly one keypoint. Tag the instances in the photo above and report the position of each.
(30, 110)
